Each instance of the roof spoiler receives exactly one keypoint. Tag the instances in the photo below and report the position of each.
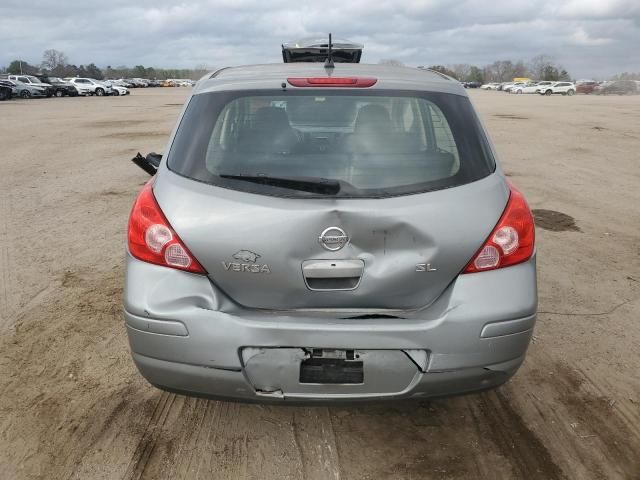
(321, 50)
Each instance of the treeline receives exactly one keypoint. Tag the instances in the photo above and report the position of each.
(627, 76)
(541, 67)
(57, 64)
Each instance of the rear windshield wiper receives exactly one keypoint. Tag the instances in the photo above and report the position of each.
(323, 186)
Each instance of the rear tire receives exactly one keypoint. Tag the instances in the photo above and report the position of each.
(548, 93)
(571, 93)
(25, 94)
(59, 93)
(99, 92)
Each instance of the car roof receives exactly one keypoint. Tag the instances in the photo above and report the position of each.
(271, 76)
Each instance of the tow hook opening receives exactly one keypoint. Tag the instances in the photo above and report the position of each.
(276, 393)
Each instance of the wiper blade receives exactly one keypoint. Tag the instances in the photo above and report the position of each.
(323, 186)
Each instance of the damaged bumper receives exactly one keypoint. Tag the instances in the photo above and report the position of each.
(187, 336)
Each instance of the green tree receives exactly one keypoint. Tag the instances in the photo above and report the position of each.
(139, 71)
(94, 72)
(18, 67)
(475, 74)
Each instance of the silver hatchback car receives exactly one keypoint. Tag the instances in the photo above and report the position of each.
(329, 235)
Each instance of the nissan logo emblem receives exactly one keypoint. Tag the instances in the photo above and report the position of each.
(333, 238)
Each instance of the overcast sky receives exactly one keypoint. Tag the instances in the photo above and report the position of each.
(591, 38)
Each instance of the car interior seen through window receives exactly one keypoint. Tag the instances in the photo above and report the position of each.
(371, 145)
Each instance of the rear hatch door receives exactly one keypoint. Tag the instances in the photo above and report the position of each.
(401, 252)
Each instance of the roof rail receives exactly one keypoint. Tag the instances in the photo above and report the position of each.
(446, 77)
(217, 72)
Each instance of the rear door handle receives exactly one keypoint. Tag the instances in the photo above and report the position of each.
(323, 275)
(332, 268)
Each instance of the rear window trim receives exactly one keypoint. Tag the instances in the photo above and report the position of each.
(272, 191)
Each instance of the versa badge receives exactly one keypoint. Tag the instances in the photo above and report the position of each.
(246, 263)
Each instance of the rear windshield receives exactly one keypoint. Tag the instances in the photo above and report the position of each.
(372, 143)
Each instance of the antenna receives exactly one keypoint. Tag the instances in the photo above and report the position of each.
(328, 63)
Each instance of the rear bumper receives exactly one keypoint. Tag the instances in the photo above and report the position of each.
(233, 385)
(187, 336)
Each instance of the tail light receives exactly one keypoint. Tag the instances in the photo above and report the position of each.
(151, 238)
(352, 82)
(511, 241)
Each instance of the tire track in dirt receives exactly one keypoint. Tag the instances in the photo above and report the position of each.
(67, 391)
(147, 443)
(577, 421)
(315, 442)
(601, 423)
(7, 305)
(499, 421)
(626, 408)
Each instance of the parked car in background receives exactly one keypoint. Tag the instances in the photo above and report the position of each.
(510, 87)
(27, 90)
(618, 87)
(117, 90)
(59, 86)
(120, 83)
(561, 88)
(490, 86)
(545, 83)
(32, 80)
(528, 88)
(124, 82)
(6, 89)
(586, 87)
(472, 84)
(141, 82)
(90, 86)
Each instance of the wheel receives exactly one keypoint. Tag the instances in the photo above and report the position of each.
(99, 92)
(548, 93)
(519, 92)
(5, 95)
(116, 93)
(25, 94)
(59, 93)
(571, 92)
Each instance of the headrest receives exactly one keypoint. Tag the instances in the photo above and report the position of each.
(373, 117)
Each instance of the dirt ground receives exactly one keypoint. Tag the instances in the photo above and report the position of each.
(72, 405)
